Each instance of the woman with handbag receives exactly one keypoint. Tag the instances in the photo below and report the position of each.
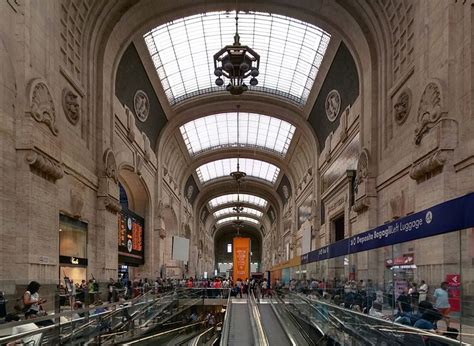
(32, 303)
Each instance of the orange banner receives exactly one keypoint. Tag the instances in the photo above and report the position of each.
(241, 252)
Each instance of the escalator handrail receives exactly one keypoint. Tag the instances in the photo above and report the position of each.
(197, 339)
(333, 320)
(179, 329)
(226, 324)
(385, 324)
(259, 334)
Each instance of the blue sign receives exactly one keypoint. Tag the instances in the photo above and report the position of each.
(446, 217)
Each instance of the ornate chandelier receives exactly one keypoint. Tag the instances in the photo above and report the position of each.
(236, 63)
(238, 177)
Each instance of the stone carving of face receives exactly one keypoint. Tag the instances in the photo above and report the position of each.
(72, 105)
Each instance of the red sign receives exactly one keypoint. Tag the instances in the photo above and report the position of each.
(406, 259)
(454, 291)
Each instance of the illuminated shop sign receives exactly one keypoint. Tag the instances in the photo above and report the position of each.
(130, 238)
(446, 217)
(73, 261)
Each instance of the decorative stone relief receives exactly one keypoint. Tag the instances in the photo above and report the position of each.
(400, 18)
(130, 124)
(42, 105)
(430, 109)
(397, 206)
(71, 106)
(139, 164)
(333, 104)
(362, 167)
(426, 166)
(361, 205)
(72, 24)
(110, 204)
(402, 106)
(146, 146)
(111, 170)
(77, 203)
(45, 166)
(141, 105)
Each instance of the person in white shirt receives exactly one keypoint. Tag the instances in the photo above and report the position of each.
(423, 291)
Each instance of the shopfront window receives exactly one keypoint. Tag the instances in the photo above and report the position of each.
(72, 249)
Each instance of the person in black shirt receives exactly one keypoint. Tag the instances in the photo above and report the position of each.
(404, 303)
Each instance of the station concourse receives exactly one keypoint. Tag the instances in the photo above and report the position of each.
(236, 172)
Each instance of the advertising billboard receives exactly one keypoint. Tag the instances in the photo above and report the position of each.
(241, 258)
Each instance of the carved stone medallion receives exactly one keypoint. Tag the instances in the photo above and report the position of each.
(71, 106)
(362, 166)
(430, 110)
(141, 105)
(111, 170)
(402, 107)
(333, 104)
(42, 105)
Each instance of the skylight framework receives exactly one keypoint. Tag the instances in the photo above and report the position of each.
(233, 218)
(291, 53)
(231, 211)
(222, 168)
(232, 198)
(220, 131)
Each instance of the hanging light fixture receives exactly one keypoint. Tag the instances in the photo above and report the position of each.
(238, 176)
(236, 63)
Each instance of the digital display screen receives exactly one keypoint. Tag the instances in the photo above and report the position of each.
(130, 238)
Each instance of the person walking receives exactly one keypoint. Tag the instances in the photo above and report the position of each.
(442, 301)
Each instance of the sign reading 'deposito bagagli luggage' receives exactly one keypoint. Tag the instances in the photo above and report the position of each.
(449, 216)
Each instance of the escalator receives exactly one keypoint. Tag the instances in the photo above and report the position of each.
(274, 331)
(240, 326)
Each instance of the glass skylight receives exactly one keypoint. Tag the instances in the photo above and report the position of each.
(232, 198)
(233, 218)
(245, 210)
(290, 52)
(223, 168)
(220, 131)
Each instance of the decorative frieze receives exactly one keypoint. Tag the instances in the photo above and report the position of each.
(44, 165)
(41, 105)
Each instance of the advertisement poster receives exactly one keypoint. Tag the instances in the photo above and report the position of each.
(454, 291)
(241, 258)
(130, 238)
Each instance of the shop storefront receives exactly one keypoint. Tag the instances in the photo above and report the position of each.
(72, 249)
(286, 271)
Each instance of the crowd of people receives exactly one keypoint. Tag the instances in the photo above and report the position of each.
(412, 305)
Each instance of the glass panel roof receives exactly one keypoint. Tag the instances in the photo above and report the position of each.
(232, 218)
(232, 198)
(245, 210)
(290, 52)
(220, 131)
(223, 168)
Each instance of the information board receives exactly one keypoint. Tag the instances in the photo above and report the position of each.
(131, 238)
